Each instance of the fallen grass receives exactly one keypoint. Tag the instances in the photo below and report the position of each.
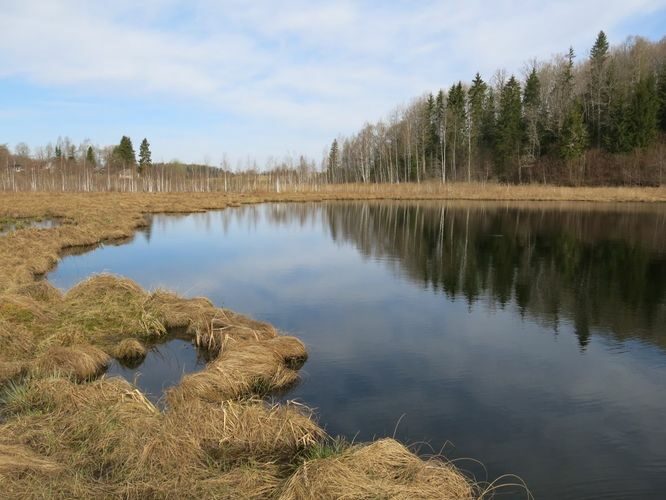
(67, 431)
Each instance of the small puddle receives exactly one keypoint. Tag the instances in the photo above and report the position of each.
(7, 226)
(162, 368)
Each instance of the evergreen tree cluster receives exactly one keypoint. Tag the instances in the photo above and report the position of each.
(563, 121)
(125, 156)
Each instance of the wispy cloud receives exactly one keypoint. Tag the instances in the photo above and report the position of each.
(290, 74)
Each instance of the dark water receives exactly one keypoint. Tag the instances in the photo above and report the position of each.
(162, 368)
(533, 340)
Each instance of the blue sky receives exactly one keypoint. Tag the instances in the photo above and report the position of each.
(205, 78)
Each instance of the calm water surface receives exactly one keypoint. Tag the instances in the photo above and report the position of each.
(532, 339)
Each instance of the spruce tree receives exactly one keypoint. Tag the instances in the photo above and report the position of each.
(509, 130)
(456, 110)
(440, 116)
(574, 136)
(144, 155)
(661, 92)
(333, 156)
(477, 101)
(124, 152)
(618, 136)
(643, 112)
(597, 87)
(431, 137)
(532, 107)
(573, 140)
(90, 156)
(489, 121)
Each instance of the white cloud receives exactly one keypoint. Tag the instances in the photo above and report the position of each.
(315, 67)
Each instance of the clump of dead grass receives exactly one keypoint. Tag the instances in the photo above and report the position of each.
(110, 306)
(243, 368)
(383, 469)
(129, 350)
(238, 430)
(80, 363)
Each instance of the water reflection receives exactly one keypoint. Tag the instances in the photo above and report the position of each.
(531, 338)
(162, 368)
(602, 269)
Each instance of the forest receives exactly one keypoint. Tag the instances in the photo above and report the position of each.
(598, 120)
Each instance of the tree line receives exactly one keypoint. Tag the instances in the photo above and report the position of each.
(601, 120)
(68, 167)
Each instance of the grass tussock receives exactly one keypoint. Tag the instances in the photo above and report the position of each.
(80, 363)
(243, 368)
(111, 306)
(383, 469)
(129, 350)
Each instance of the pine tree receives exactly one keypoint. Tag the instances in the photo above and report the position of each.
(144, 155)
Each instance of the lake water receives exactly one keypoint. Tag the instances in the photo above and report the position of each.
(529, 337)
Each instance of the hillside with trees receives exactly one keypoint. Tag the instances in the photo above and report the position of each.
(597, 120)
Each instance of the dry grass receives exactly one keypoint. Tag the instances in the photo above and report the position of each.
(80, 363)
(243, 368)
(67, 432)
(129, 350)
(383, 469)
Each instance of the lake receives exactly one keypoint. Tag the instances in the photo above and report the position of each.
(531, 337)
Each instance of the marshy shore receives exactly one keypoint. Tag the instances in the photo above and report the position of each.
(68, 431)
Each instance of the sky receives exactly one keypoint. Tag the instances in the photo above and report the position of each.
(202, 79)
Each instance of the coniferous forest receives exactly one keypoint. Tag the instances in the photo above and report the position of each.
(597, 119)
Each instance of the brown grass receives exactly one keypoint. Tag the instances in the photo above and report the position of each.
(129, 350)
(243, 368)
(383, 469)
(80, 363)
(67, 432)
